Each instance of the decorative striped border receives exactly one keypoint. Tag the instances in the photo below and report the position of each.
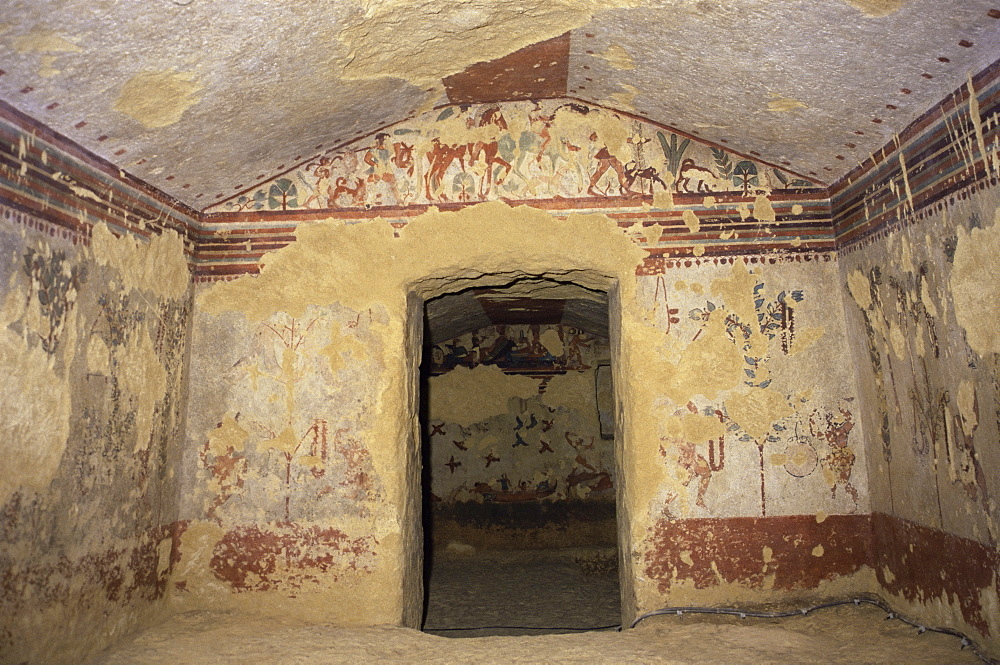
(51, 178)
(943, 161)
(237, 241)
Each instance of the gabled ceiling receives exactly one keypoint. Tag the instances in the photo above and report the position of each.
(203, 99)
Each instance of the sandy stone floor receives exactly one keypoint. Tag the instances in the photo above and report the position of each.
(559, 590)
(547, 589)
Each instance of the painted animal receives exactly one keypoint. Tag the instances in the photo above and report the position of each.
(648, 174)
(605, 161)
(694, 179)
(356, 193)
(440, 157)
(490, 152)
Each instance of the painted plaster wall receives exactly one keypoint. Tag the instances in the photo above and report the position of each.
(919, 274)
(94, 341)
(922, 316)
(721, 415)
(282, 494)
(754, 484)
(516, 452)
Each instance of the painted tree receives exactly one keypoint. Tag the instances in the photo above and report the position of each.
(672, 151)
(745, 176)
(283, 195)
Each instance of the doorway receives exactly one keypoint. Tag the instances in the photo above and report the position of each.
(519, 461)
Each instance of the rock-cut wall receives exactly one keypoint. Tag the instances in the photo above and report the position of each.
(93, 341)
(919, 267)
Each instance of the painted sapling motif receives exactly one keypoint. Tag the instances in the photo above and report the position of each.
(55, 283)
(773, 320)
(282, 195)
(790, 182)
(745, 177)
(873, 320)
(119, 326)
(223, 458)
(660, 304)
(255, 201)
(283, 438)
(673, 151)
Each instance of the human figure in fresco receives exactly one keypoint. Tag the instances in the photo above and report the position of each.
(381, 169)
(544, 123)
(321, 192)
(490, 151)
(560, 149)
(605, 161)
(499, 353)
(227, 472)
(695, 466)
(838, 463)
(578, 341)
(578, 445)
(439, 158)
(457, 354)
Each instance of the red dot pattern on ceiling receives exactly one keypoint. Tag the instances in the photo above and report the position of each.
(534, 72)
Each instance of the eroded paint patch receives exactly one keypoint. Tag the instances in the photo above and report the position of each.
(40, 40)
(877, 8)
(261, 557)
(36, 404)
(975, 285)
(728, 551)
(468, 396)
(158, 99)
(488, 31)
(781, 104)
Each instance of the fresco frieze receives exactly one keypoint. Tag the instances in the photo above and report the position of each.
(515, 151)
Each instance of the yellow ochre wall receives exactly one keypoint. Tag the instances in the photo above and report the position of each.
(254, 444)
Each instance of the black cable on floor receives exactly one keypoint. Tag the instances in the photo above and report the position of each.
(892, 614)
(580, 630)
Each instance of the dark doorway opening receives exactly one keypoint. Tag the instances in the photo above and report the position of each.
(518, 451)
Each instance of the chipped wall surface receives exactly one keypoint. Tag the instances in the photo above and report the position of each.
(721, 415)
(70, 190)
(513, 151)
(93, 406)
(919, 277)
(929, 379)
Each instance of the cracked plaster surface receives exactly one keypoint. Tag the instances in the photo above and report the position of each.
(791, 80)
